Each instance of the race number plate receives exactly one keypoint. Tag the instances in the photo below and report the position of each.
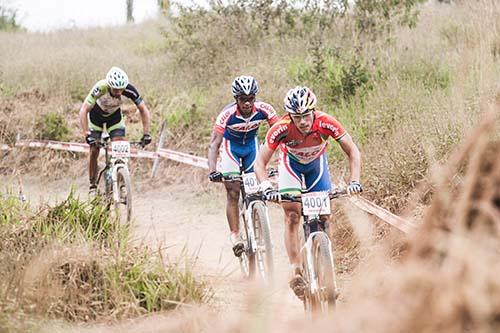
(250, 183)
(316, 203)
(120, 149)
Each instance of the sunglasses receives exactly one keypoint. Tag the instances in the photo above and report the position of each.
(246, 98)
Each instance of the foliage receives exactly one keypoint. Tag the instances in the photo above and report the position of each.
(376, 18)
(52, 126)
(8, 18)
(338, 77)
(432, 75)
(76, 264)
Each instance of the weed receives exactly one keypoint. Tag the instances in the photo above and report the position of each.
(52, 126)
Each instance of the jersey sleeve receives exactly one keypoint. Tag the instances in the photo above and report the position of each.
(132, 93)
(331, 126)
(221, 122)
(98, 90)
(268, 110)
(277, 133)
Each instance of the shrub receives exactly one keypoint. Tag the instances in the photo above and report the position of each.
(432, 75)
(52, 126)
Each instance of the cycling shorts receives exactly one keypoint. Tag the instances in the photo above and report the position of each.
(115, 124)
(231, 153)
(316, 175)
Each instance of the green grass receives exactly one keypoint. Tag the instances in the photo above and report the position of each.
(70, 261)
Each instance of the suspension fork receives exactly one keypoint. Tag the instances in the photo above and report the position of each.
(114, 177)
(252, 244)
(307, 250)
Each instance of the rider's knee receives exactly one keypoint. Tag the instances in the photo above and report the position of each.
(292, 217)
(233, 196)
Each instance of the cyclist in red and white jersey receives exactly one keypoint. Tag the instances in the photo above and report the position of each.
(102, 106)
(236, 131)
(302, 136)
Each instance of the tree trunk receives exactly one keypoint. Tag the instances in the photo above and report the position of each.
(130, 10)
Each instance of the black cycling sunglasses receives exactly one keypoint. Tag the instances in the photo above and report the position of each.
(246, 98)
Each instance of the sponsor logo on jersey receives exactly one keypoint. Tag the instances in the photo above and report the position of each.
(224, 117)
(267, 108)
(293, 143)
(96, 91)
(331, 127)
(307, 155)
(245, 127)
(277, 132)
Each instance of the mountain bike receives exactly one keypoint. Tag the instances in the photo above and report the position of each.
(318, 268)
(257, 256)
(113, 181)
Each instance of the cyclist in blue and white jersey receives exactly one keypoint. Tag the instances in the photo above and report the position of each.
(236, 131)
(102, 106)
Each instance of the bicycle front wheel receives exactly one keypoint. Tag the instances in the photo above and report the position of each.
(324, 297)
(262, 231)
(123, 199)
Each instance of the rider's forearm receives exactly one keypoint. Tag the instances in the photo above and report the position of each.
(355, 165)
(213, 150)
(84, 123)
(145, 117)
(260, 170)
(263, 159)
(212, 157)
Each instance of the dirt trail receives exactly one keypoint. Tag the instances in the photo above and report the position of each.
(174, 218)
(186, 223)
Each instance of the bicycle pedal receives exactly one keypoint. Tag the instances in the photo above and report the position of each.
(238, 249)
(298, 285)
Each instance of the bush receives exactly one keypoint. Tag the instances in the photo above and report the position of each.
(52, 126)
(8, 19)
(432, 75)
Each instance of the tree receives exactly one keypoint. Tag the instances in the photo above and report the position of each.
(130, 10)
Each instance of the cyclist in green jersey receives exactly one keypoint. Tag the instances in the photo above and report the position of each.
(102, 106)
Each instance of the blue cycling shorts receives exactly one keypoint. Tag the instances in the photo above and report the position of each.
(316, 175)
(231, 153)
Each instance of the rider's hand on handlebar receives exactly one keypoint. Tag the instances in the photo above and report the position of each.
(354, 187)
(90, 139)
(146, 140)
(269, 192)
(215, 176)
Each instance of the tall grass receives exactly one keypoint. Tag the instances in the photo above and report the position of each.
(406, 95)
(72, 261)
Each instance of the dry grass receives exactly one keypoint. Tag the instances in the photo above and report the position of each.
(430, 86)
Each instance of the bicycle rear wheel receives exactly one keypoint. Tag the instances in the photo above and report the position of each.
(323, 299)
(264, 255)
(123, 206)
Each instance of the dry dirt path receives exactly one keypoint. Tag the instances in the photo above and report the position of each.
(186, 223)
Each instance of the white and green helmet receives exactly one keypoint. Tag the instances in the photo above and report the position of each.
(117, 78)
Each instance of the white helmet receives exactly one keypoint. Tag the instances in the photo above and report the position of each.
(299, 100)
(244, 85)
(117, 78)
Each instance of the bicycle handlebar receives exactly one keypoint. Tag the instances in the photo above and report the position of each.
(105, 143)
(336, 193)
(238, 178)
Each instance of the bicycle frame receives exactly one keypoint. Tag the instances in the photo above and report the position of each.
(314, 227)
(249, 205)
(116, 167)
